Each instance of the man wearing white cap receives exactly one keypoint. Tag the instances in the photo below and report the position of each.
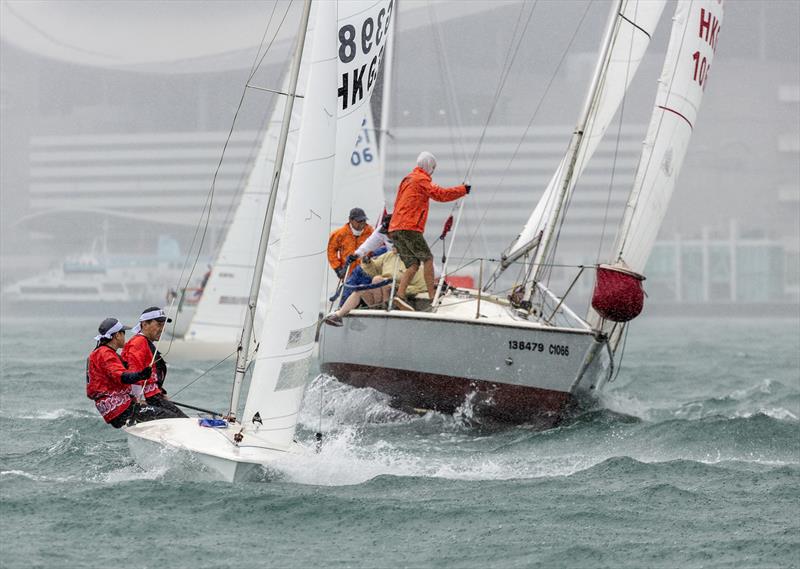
(410, 216)
(140, 352)
(108, 380)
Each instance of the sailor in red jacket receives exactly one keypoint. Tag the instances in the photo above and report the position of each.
(410, 216)
(108, 381)
(140, 353)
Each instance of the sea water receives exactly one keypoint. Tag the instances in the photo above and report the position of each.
(691, 459)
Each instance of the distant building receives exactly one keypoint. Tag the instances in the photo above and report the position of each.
(74, 134)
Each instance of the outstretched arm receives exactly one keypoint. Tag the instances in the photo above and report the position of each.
(440, 194)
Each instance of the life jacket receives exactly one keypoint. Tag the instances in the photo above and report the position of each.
(342, 243)
(138, 353)
(412, 201)
(104, 369)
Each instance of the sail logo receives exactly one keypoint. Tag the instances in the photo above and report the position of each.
(361, 48)
(709, 28)
(360, 154)
(709, 33)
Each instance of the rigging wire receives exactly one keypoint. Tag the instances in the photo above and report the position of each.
(505, 72)
(535, 113)
(449, 90)
(452, 100)
(212, 368)
(616, 146)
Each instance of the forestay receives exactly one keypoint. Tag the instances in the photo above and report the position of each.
(631, 28)
(284, 356)
(691, 49)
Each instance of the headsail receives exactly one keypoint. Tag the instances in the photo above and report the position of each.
(285, 349)
(631, 26)
(691, 49)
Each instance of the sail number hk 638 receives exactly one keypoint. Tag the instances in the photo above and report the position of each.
(552, 349)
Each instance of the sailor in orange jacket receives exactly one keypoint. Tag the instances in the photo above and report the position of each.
(410, 216)
(343, 242)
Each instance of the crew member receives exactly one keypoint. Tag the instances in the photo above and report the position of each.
(381, 270)
(140, 353)
(344, 241)
(108, 381)
(407, 227)
(376, 244)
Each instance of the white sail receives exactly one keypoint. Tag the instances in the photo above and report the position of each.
(360, 182)
(285, 349)
(223, 306)
(695, 31)
(633, 26)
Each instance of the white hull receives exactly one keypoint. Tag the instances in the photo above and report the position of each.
(182, 442)
(510, 369)
(181, 320)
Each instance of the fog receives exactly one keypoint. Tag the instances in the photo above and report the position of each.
(103, 100)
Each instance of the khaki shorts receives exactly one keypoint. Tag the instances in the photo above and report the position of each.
(411, 247)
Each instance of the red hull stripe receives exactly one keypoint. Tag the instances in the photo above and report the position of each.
(501, 402)
(677, 113)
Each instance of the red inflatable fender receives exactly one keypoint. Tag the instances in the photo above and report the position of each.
(618, 294)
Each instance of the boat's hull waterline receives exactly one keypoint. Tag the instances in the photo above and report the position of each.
(494, 367)
(169, 443)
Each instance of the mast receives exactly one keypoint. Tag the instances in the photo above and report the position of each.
(546, 242)
(386, 90)
(247, 331)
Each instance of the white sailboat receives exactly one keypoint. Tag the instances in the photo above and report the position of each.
(283, 358)
(532, 360)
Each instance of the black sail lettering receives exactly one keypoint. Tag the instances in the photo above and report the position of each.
(358, 84)
(342, 92)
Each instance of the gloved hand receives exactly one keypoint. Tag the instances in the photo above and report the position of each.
(145, 373)
(340, 272)
(469, 187)
(351, 259)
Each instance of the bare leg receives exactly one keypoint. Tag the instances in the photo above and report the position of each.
(371, 297)
(406, 278)
(427, 272)
(349, 304)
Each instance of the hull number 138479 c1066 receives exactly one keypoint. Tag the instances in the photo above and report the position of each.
(553, 349)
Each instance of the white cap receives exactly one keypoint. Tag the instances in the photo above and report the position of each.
(427, 162)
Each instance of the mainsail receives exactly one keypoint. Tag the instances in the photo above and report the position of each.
(631, 25)
(285, 349)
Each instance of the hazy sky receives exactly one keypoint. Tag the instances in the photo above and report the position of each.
(757, 61)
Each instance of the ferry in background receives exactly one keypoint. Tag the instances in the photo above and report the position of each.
(98, 279)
